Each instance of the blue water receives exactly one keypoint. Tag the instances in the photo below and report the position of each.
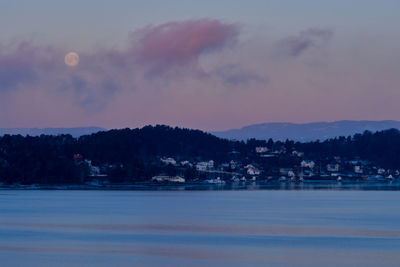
(199, 228)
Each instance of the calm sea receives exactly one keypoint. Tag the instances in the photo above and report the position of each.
(200, 228)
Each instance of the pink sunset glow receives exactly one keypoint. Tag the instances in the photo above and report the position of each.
(201, 73)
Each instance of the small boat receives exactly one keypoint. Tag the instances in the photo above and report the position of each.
(390, 177)
(282, 178)
(214, 181)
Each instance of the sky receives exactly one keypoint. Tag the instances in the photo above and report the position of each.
(209, 65)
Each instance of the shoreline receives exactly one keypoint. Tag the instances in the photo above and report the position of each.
(274, 185)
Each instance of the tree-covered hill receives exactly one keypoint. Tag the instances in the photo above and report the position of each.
(149, 142)
(382, 147)
(134, 154)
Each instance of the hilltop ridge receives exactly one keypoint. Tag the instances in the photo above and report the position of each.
(305, 132)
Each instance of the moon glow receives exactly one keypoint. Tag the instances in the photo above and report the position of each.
(72, 59)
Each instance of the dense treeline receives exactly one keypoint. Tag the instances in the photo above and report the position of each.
(43, 159)
(149, 142)
(134, 155)
(382, 148)
(50, 159)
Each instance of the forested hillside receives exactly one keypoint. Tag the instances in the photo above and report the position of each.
(134, 154)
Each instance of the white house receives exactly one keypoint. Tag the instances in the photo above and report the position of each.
(358, 169)
(298, 153)
(233, 164)
(381, 171)
(332, 167)
(205, 165)
(211, 164)
(308, 164)
(201, 166)
(186, 163)
(261, 149)
(253, 171)
(168, 161)
(93, 170)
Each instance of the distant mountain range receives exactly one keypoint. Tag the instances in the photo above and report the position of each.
(75, 132)
(275, 130)
(307, 131)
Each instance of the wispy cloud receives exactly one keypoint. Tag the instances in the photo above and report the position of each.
(18, 65)
(311, 38)
(234, 74)
(199, 73)
(152, 51)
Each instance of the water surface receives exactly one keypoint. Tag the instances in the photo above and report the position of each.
(197, 228)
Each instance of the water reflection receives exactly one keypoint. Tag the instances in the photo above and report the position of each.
(245, 227)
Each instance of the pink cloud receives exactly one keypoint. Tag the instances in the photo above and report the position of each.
(181, 43)
(191, 86)
(153, 51)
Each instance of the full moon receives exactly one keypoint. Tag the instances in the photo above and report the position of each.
(72, 59)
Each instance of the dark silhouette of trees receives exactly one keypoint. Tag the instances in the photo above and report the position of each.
(133, 155)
